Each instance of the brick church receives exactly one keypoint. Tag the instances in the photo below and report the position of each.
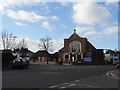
(78, 50)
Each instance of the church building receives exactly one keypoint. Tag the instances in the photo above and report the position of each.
(78, 50)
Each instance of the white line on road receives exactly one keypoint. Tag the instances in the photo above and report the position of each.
(63, 87)
(72, 85)
(88, 86)
(77, 80)
(53, 86)
(111, 75)
(66, 83)
(91, 77)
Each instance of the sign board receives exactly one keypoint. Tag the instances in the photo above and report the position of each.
(87, 59)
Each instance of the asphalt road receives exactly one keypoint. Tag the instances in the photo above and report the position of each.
(60, 76)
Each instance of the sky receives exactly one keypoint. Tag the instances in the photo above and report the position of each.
(97, 20)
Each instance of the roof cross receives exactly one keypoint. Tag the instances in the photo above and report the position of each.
(74, 30)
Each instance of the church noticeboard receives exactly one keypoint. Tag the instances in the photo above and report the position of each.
(87, 59)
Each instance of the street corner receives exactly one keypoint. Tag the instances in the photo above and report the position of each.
(113, 74)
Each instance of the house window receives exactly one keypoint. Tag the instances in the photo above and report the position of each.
(115, 59)
(43, 59)
(115, 54)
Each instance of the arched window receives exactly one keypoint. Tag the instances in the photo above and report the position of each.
(75, 46)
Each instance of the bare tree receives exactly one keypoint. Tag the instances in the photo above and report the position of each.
(8, 40)
(46, 44)
(22, 44)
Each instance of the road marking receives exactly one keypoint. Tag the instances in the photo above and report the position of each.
(111, 75)
(91, 77)
(63, 87)
(88, 86)
(53, 86)
(77, 80)
(72, 85)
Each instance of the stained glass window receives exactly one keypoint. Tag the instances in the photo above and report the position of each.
(75, 46)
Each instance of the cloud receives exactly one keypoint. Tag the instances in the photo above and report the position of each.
(111, 2)
(82, 29)
(46, 25)
(10, 4)
(96, 35)
(90, 33)
(115, 3)
(90, 13)
(33, 44)
(19, 24)
(65, 3)
(1, 7)
(54, 17)
(25, 16)
(57, 44)
(86, 31)
(111, 30)
(5, 4)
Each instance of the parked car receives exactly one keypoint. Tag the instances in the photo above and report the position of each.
(20, 63)
(118, 66)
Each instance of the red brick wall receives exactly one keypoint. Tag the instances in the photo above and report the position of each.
(75, 37)
(67, 42)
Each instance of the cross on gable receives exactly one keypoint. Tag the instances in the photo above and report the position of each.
(74, 30)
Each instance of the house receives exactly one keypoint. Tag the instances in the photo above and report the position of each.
(23, 52)
(53, 57)
(41, 55)
(44, 56)
(112, 56)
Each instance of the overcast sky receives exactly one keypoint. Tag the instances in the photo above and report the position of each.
(32, 20)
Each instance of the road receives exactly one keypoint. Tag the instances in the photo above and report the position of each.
(60, 76)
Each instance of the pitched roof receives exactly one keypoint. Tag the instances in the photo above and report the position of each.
(110, 52)
(90, 45)
(62, 49)
(41, 53)
(25, 50)
(74, 35)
